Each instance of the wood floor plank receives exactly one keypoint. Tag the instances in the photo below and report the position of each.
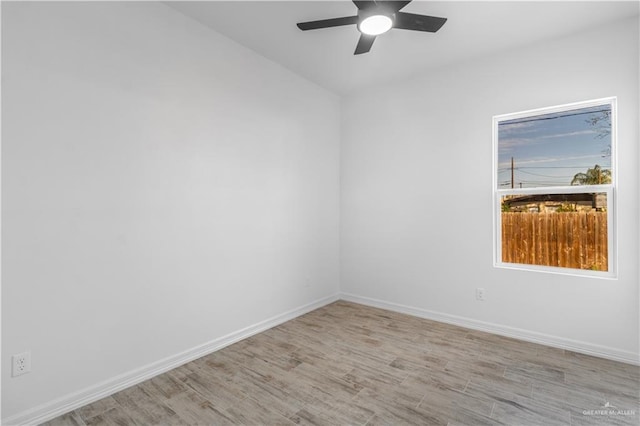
(460, 410)
(97, 408)
(528, 373)
(348, 364)
(116, 416)
(251, 412)
(324, 386)
(526, 411)
(563, 396)
(164, 386)
(403, 396)
(498, 388)
(193, 409)
(273, 394)
(446, 380)
(70, 419)
(375, 376)
(327, 360)
(144, 408)
(333, 412)
(457, 405)
(476, 368)
(208, 385)
(389, 414)
(609, 382)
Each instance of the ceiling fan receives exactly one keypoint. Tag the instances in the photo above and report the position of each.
(376, 17)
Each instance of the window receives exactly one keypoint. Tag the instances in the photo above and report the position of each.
(553, 183)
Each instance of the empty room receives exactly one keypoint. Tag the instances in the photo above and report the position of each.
(320, 212)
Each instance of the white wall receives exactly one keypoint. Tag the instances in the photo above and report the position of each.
(416, 203)
(162, 187)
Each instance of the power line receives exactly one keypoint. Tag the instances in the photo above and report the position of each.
(534, 183)
(552, 167)
(502, 169)
(537, 174)
(541, 118)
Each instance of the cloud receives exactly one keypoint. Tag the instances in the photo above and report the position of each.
(518, 125)
(542, 160)
(569, 134)
(508, 129)
(508, 144)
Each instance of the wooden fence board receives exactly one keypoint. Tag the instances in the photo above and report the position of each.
(567, 239)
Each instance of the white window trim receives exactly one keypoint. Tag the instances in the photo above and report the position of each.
(609, 189)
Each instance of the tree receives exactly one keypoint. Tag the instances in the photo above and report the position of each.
(594, 176)
(602, 125)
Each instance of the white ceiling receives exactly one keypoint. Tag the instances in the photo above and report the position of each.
(325, 56)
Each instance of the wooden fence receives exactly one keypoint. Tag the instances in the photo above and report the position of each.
(569, 239)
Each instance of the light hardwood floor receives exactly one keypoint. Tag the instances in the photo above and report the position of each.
(348, 364)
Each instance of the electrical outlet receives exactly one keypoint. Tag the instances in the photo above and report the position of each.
(20, 364)
(479, 293)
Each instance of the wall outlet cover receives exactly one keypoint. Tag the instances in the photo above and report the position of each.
(20, 364)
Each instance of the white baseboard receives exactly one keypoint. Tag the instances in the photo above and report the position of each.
(57, 407)
(516, 333)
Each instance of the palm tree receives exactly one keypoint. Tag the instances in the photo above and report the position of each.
(595, 176)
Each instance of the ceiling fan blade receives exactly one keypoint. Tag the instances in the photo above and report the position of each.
(364, 44)
(393, 5)
(327, 23)
(411, 21)
(364, 4)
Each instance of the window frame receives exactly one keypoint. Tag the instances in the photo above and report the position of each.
(609, 189)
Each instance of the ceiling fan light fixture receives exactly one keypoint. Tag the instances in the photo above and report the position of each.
(376, 17)
(375, 25)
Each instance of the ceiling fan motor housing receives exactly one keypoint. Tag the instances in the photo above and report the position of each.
(375, 22)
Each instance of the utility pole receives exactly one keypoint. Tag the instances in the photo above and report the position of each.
(511, 172)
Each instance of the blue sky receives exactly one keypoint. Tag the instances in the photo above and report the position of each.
(548, 150)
